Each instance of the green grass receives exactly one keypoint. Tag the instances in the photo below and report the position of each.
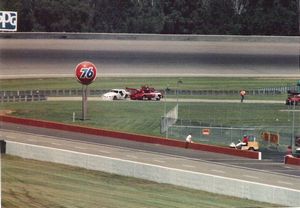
(144, 117)
(161, 83)
(188, 83)
(282, 97)
(35, 184)
(135, 117)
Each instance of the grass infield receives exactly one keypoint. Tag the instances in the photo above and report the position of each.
(143, 117)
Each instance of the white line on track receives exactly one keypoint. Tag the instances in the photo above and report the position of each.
(103, 151)
(132, 156)
(55, 143)
(82, 148)
(31, 140)
(283, 182)
(249, 176)
(218, 171)
(188, 166)
(159, 161)
(253, 163)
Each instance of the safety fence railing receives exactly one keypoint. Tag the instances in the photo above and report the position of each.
(22, 98)
(99, 92)
(54, 92)
(277, 135)
(277, 138)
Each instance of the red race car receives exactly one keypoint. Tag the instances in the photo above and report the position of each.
(293, 99)
(144, 93)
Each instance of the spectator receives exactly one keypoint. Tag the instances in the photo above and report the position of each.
(242, 93)
(188, 140)
(289, 150)
(244, 142)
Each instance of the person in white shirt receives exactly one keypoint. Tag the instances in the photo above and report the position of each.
(188, 140)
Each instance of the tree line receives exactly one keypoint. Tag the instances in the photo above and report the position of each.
(235, 17)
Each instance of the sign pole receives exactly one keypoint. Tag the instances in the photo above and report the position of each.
(84, 102)
(86, 74)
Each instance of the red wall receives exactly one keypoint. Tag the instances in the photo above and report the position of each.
(290, 160)
(127, 136)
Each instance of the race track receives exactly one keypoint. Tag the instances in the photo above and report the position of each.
(58, 57)
(230, 166)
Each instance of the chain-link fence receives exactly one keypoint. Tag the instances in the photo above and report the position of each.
(277, 138)
(209, 134)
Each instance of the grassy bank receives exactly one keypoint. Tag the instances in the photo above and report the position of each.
(188, 83)
(30, 183)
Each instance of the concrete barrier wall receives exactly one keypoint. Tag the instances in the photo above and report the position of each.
(160, 174)
(290, 160)
(131, 137)
(158, 37)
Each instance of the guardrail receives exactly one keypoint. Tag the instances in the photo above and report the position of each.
(55, 92)
(22, 98)
(99, 92)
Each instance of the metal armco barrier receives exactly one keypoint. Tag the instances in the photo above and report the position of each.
(22, 98)
(99, 92)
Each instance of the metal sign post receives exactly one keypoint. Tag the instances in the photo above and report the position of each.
(84, 102)
(86, 73)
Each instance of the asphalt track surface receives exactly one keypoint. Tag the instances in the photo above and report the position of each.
(266, 171)
(50, 57)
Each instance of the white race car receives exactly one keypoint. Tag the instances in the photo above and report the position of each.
(116, 94)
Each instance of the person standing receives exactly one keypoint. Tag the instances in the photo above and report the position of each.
(188, 140)
(242, 93)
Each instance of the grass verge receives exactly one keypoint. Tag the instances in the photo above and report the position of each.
(35, 184)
